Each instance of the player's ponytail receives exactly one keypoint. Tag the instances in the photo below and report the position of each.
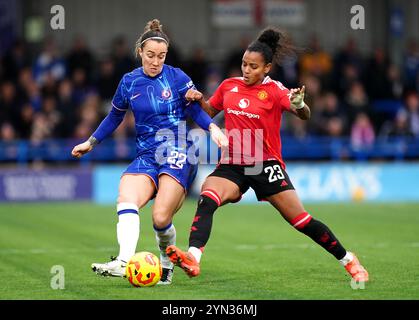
(274, 44)
(153, 30)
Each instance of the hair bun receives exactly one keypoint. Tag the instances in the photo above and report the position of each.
(274, 44)
(153, 25)
(271, 38)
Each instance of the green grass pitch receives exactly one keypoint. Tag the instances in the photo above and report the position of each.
(252, 253)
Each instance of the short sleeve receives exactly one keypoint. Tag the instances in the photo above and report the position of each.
(283, 97)
(120, 99)
(285, 101)
(217, 99)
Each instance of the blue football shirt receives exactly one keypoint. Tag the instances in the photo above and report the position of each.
(158, 104)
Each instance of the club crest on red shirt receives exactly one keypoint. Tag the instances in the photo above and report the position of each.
(262, 95)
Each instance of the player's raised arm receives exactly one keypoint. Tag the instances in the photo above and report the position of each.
(298, 106)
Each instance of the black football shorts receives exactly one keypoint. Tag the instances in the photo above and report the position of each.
(270, 179)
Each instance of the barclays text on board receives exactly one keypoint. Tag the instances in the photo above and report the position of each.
(346, 182)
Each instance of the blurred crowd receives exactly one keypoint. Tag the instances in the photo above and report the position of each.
(54, 94)
(350, 94)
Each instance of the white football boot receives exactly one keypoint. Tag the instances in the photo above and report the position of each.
(113, 268)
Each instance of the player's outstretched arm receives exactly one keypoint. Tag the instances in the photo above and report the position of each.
(298, 106)
(205, 122)
(83, 148)
(195, 95)
(218, 136)
(107, 126)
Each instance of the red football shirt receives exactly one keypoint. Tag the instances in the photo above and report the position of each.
(252, 119)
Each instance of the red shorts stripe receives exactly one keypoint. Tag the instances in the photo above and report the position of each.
(301, 220)
(213, 195)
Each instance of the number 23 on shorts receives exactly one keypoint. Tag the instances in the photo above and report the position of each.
(275, 173)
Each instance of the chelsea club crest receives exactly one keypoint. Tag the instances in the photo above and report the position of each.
(166, 94)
